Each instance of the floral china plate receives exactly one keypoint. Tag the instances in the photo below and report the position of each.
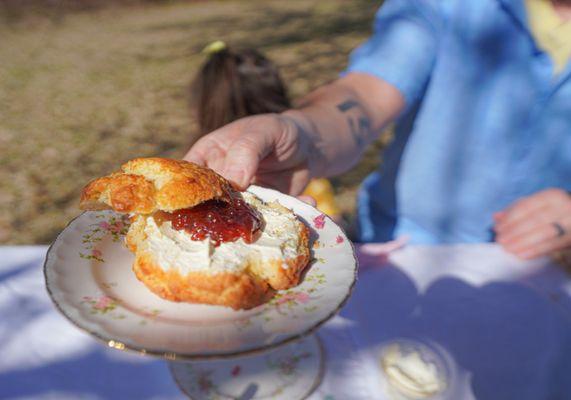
(89, 278)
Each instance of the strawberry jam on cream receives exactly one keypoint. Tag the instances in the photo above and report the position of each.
(221, 221)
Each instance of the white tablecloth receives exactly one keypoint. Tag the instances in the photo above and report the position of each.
(505, 324)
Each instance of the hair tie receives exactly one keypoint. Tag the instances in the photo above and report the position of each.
(214, 47)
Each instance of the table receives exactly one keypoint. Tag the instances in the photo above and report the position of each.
(505, 324)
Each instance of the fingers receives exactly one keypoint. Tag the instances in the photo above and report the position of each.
(521, 210)
(202, 152)
(517, 213)
(265, 148)
(243, 157)
(195, 156)
(307, 199)
(291, 181)
(527, 225)
(535, 242)
(527, 228)
(234, 151)
(545, 247)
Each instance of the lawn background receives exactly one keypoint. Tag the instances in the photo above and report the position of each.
(87, 85)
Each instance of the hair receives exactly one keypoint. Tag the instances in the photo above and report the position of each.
(235, 84)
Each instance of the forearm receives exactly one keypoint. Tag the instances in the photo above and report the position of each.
(342, 118)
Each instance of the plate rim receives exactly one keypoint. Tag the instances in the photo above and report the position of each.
(177, 355)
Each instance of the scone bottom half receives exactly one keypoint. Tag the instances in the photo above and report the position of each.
(236, 274)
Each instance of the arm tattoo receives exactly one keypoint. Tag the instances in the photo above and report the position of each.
(359, 125)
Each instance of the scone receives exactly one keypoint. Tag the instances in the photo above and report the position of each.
(197, 239)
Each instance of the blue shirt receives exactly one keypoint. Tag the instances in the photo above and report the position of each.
(486, 123)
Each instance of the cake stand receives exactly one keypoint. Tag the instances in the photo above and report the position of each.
(214, 352)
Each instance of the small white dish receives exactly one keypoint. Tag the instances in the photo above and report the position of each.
(415, 370)
(89, 278)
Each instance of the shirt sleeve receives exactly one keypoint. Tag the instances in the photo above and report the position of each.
(403, 47)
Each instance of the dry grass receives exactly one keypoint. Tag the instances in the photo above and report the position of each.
(81, 95)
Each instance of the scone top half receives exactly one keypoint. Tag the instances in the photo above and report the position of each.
(234, 274)
(147, 185)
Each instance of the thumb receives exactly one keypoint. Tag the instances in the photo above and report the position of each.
(308, 199)
(194, 157)
(197, 153)
(243, 158)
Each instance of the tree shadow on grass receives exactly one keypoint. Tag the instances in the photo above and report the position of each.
(269, 26)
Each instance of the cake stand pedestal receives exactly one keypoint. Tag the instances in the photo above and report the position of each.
(290, 372)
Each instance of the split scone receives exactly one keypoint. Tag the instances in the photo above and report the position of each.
(197, 239)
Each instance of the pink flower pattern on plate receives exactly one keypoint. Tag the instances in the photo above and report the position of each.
(115, 226)
(101, 305)
(293, 302)
(103, 302)
(293, 297)
(96, 253)
(319, 221)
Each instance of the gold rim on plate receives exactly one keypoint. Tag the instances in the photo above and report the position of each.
(116, 343)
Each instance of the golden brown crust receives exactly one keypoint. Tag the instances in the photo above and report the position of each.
(136, 233)
(243, 290)
(239, 291)
(145, 185)
(291, 276)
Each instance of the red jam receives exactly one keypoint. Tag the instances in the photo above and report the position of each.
(221, 221)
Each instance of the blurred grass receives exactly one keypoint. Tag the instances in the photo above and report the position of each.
(84, 92)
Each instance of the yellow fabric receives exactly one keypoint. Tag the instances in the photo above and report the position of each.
(550, 31)
(322, 191)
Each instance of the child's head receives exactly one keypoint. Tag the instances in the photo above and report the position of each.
(235, 84)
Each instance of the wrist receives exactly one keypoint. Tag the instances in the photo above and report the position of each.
(308, 138)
